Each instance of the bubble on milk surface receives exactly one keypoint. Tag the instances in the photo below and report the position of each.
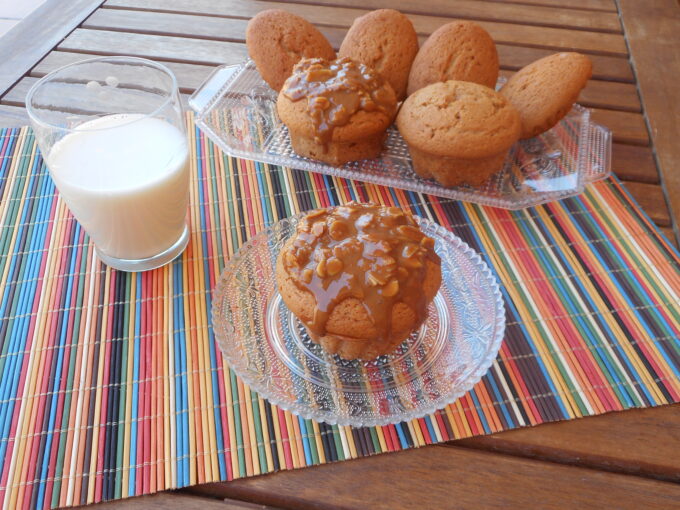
(112, 81)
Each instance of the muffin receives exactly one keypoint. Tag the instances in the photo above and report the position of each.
(360, 278)
(458, 132)
(461, 50)
(544, 91)
(336, 111)
(386, 41)
(277, 40)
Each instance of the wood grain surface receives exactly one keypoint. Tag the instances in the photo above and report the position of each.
(547, 15)
(634, 163)
(189, 76)
(619, 460)
(642, 442)
(11, 116)
(653, 33)
(37, 34)
(177, 501)
(228, 29)
(451, 477)
(605, 94)
(177, 49)
(502, 32)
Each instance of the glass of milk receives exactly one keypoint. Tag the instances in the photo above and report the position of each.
(112, 133)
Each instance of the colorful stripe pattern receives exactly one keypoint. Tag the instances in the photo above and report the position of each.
(111, 384)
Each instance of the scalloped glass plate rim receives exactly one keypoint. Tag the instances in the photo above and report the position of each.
(253, 378)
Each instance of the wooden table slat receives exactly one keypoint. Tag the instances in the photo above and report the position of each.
(178, 49)
(189, 76)
(555, 16)
(605, 94)
(670, 235)
(166, 23)
(434, 476)
(602, 94)
(12, 116)
(627, 127)
(17, 95)
(634, 163)
(651, 199)
(36, 34)
(546, 37)
(625, 442)
(176, 501)
(653, 30)
(232, 29)
(604, 67)
(589, 5)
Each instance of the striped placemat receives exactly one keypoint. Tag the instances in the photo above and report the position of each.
(111, 384)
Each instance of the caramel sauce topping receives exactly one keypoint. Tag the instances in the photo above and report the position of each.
(372, 253)
(335, 91)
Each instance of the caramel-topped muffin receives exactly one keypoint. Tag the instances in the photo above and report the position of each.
(360, 277)
(336, 111)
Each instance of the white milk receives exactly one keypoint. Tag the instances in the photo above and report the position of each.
(126, 180)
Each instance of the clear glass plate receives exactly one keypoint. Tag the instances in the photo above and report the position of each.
(270, 350)
(237, 110)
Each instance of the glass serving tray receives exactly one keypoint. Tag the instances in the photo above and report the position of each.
(269, 348)
(237, 110)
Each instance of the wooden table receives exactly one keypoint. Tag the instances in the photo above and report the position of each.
(622, 460)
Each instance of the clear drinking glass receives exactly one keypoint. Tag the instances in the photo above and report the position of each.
(112, 133)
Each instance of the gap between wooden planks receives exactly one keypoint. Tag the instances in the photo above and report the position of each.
(447, 477)
(220, 49)
(233, 30)
(642, 442)
(176, 501)
(502, 32)
(555, 15)
(590, 5)
(598, 93)
(652, 31)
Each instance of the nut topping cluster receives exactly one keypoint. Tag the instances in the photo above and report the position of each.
(335, 91)
(373, 253)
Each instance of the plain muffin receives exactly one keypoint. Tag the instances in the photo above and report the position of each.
(336, 111)
(277, 40)
(544, 91)
(458, 132)
(386, 41)
(460, 50)
(360, 277)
